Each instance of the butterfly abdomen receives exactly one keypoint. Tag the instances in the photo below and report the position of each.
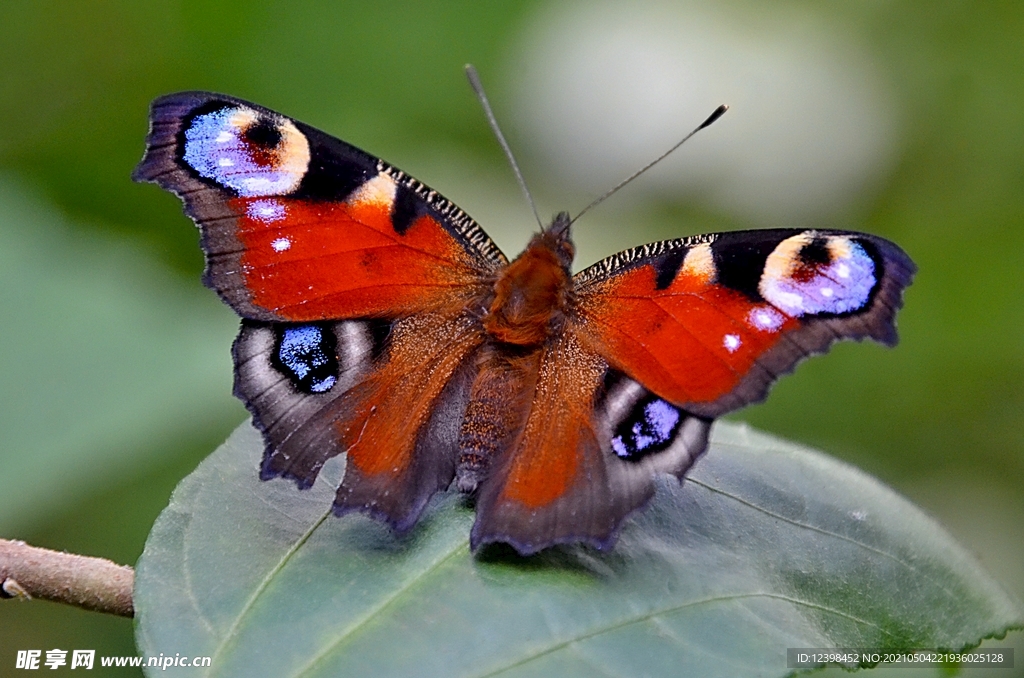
(496, 412)
(528, 308)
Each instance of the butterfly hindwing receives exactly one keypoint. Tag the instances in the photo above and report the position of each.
(390, 397)
(709, 323)
(588, 453)
(287, 375)
(298, 226)
(352, 280)
(400, 425)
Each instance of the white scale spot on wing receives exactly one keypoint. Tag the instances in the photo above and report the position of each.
(699, 263)
(266, 211)
(765, 318)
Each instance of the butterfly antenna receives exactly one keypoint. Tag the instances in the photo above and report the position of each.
(615, 189)
(474, 82)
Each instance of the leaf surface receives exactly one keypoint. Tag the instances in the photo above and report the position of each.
(766, 546)
(103, 356)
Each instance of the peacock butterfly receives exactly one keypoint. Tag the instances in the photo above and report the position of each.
(379, 321)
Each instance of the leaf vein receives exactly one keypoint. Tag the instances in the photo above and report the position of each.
(383, 605)
(190, 590)
(823, 531)
(258, 591)
(671, 610)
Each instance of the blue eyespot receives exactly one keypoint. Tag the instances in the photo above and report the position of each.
(308, 356)
(247, 152)
(650, 427)
(835, 275)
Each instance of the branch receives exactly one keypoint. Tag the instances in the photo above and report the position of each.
(91, 583)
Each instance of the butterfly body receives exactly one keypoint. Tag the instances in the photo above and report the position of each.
(531, 297)
(381, 323)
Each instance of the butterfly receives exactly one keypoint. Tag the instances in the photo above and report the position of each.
(380, 322)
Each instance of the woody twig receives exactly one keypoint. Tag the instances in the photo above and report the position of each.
(28, 572)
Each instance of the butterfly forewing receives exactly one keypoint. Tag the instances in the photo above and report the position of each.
(353, 280)
(708, 323)
(587, 455)
(299, 226)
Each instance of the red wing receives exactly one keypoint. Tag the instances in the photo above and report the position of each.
(659, 341)
(588, 454)
(317, 391)
(709, 323)
(400, 425)
(299, 226)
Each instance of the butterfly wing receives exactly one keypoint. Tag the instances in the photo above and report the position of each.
(660, 340)
(709, 323)
(388, 396)
(575, 471)
(299, 226)
(353, 281)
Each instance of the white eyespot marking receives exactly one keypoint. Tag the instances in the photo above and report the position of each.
(858, 515)
(379, 192)
(699, 263)
(809, 273)
(267, 154)
(731, 342)
(266, 211)
(765, 318)
(780, 263)
(281, 244)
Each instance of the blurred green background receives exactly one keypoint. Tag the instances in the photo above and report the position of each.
(115, 372)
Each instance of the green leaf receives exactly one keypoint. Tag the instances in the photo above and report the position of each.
(766, 546)
(103, 355)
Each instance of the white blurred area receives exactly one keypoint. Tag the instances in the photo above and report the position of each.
(604, 87)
